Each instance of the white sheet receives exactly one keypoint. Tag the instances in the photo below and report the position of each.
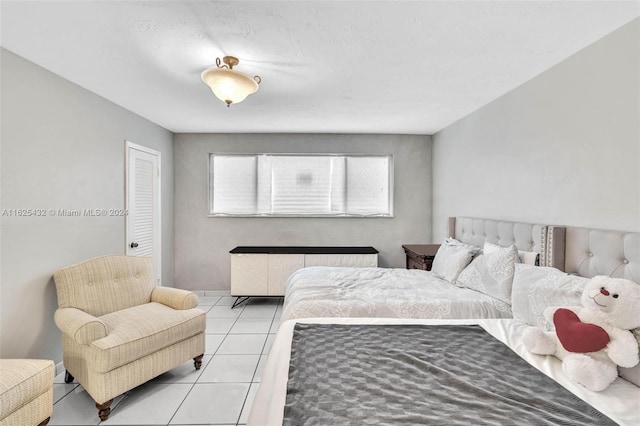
(620, 402)
(383, 293)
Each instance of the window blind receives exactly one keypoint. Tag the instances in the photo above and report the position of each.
(301, 185)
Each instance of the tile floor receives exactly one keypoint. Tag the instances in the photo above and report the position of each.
(220, 393)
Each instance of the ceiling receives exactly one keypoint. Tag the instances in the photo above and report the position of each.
(409, 67)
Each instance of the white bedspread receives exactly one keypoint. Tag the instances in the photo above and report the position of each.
(384, 293)
(620, 401)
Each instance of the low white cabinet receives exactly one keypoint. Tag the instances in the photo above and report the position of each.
(263, 271)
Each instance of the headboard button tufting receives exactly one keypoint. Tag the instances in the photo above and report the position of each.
(590, 254)
(625, 261)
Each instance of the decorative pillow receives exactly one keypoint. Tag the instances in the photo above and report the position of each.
(492, 272)
(632, 374)
(451, 258)
(529, 257)
(536, 288)
(489, 248)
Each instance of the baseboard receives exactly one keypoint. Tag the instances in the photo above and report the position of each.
(59, 368)
(210, 293)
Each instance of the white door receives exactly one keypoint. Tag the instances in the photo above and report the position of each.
(143, 205)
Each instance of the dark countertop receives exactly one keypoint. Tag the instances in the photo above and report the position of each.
(304, 250)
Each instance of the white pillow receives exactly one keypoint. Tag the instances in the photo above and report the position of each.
(489, 248)
(536, 288)
(492, 272)
(451, 258)
(529, 257)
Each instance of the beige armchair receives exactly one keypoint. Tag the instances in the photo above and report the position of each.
(119, 330)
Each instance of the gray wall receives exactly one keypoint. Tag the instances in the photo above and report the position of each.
(563, 148)
(202, 243)
(62, 148)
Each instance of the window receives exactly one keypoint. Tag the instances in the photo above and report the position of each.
(300, 185)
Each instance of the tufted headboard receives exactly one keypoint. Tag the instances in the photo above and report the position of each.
(591, 252)
(543, 239)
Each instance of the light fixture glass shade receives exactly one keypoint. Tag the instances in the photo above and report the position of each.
(230, 86)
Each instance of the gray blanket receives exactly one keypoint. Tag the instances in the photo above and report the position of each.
(420, 375)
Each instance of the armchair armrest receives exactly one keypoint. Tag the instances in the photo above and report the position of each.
(82, 327)
(174, 297)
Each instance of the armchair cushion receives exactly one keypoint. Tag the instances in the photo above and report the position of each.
(80, 326)
(174, 297)
(157, 326)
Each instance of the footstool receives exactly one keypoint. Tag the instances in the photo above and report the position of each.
(26, 392)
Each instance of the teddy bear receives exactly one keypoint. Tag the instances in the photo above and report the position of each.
(595, 338)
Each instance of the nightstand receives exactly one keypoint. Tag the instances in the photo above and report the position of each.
(420, 256)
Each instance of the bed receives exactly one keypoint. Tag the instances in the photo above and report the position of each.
(401, 293)
(376, 371)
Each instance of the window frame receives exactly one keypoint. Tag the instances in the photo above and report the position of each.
(391, 173)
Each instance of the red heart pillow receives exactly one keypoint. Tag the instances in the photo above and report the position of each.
(577, 336)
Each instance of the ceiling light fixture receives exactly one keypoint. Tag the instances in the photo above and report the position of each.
(229, 85)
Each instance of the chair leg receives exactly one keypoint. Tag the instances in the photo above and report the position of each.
(45, 422)
(68, 378)
(197, 361)
(104, 410)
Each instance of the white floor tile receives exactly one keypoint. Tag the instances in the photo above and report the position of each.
(278, 314)
(184, 373)
(261, 363)
(242, 344)
(78, 408)
(224, 312)
(61, 389)
(267, 346)
(219, 325)
(230, 368)
(212, 342)
(259, 311)
(251, 325)
(59, 378)
(227, 301)
(205, 308)
(208, 300)
(275, 325)
(248, 403)
(149, 404)
(212, 403)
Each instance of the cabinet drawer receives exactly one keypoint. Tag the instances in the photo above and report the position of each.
(281, 266)
(249, 274)
(351, 260)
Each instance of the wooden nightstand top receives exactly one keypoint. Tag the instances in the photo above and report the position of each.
(426, 250)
